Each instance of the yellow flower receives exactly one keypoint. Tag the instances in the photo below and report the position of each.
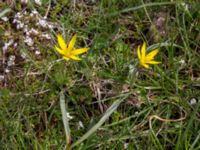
(68, 51)
(146, 59)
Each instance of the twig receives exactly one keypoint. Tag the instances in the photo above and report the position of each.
(48, 9)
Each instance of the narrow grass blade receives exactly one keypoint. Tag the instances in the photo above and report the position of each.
(147, 5)
(190, 125)
(4, 12)
(65, 119)
(156, 140)
(143, 6)
(195, 141)
(107, 114)
(164, 44)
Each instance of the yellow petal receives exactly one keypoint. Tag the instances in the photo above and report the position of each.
(152, 54)
(61, 42)
(138, 52)
(79, 51)
(59, 50)
(152, 62)
(74, 57)
(66, 58)
(72, 42)
(146, 66)
(143, 51)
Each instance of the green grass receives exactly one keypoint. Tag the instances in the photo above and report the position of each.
(108, 91)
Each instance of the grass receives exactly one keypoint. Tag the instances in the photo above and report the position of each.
(115, 103)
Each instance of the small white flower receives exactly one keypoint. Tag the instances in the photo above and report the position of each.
(38, 2)
(29, 41)
(23, 55)
(20, 25)
(4, 19)
(69, 116)
(46, 36)
(138, 92)
(185, 6)
(26, 30)
(159, 21)
(14, 20)
(193, 101)
(80, 123)
(15, 44)
(37, 52)
(50, 26)
(33, 31)
(43, 23)
(126, 145)
(35, 12)
(182, 61)
(7, 70)
(6, 45)
(18, 15)
(11, 60)
(12, 57)
(10, 42)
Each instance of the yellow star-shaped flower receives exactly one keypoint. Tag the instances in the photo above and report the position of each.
(68, 51)
(146, 59)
